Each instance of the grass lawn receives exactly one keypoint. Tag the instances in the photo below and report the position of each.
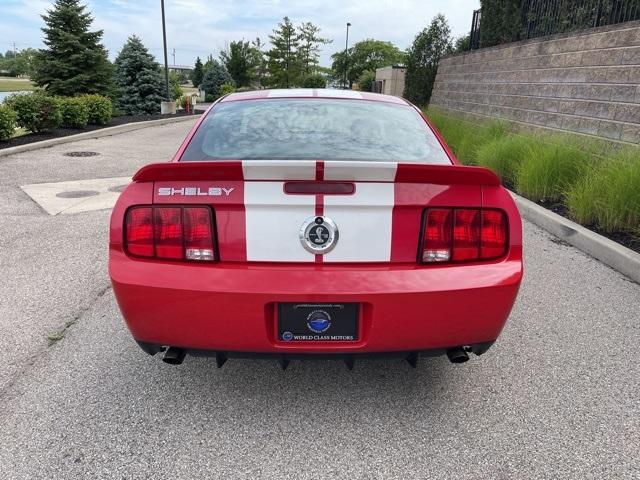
(9, 84)
(188, 90)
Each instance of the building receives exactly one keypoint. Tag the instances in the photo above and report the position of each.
(390, 80)
(181, 69)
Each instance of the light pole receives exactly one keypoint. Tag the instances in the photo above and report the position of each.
(346, 56)
(166, 62)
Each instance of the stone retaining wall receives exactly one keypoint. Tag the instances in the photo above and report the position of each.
(586, 82)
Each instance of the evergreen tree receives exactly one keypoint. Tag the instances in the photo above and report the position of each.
(208, 64)
(502, 20)
(309, 51)
(197, 73)
(422, 60)
(214, 78)
(259, 62)
(140, 87)
(74, 61)
(284, 62)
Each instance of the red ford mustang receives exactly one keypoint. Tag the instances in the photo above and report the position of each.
(298, 223)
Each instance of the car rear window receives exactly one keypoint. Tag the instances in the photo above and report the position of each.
(314, 129)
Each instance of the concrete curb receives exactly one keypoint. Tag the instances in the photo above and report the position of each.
(103, 132)
(610, 253)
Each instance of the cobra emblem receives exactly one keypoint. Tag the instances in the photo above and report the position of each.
(318, 234)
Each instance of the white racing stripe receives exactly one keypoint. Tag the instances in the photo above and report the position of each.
(279, 169)
(273, 220)
(361, 171)
(291, 92)
(364, 223)
(323, 92)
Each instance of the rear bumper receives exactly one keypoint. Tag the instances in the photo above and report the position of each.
(232, 307)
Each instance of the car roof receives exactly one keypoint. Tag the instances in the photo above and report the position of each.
(324, 93)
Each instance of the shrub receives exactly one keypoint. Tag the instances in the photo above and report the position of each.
(503, 155)
(314, 81)
(184, 100)
(7, 122)
(75, 113)
(609, 194)
(209, 98)
(174, 86)
(226, 89)
(36, 112)
(365, 82)
(548, 170)
(100, 108)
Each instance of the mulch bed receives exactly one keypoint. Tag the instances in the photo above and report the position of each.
(623, 238)
(64, 132)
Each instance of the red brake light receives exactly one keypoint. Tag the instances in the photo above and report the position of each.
(177, 233)
(437, 235)
(494, 234)
(167, 223)
(139, 231)
(464, 234)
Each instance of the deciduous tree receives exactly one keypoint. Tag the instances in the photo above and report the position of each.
(238, 58)
(365, 55)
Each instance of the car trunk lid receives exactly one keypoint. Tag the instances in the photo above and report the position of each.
(268, 211)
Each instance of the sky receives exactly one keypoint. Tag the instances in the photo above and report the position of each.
(203, 27)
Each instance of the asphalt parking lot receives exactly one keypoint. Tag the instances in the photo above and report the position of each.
(557, 397)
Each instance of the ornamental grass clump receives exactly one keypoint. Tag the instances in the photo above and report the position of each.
(549, 169)
(609, 194)
(504, 155)
(465, 138)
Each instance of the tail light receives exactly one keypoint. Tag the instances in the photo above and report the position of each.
(463, 235)
(174, 233)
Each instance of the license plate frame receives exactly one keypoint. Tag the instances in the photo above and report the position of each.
(318, 322)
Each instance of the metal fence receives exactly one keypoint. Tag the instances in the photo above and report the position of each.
(547, 17)
(474, 36)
